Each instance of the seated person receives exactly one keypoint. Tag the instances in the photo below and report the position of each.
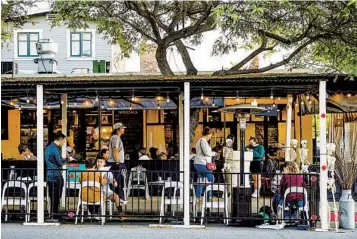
(143, 154)
(154, 153)
(25, 153)
(290, 179)
(92, 194)
(104, 153)
(109, 179)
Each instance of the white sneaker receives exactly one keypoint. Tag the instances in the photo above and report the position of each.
(123, 201)
(255, 194)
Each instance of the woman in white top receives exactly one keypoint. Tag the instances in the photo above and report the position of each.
(143, 154)
(203, 156)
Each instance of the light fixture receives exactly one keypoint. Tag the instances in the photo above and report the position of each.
(96, 98)
(158, 106)
(20, 107)
(349, 95)
(133, 97)
(213, 104)
(111, 102)
(131, 107)
(279, 98)
(274, 104)
(254, 103)
(206, 99)
(11, 102)
(307, 96)
(62, 102)
(167, 98)
(237, 99)
(86, 102)
(202, 97)
(28, 100)
(75, 103)
(271, 94)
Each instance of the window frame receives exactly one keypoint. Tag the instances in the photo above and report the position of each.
(81, 54)
(28, 43)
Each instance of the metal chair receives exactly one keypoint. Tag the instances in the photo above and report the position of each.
(216, 205)
(138, 176)
(31, 197)
(16, 198)
(94, 184)
(304, 208)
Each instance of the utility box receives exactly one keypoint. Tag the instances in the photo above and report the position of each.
(99, 66)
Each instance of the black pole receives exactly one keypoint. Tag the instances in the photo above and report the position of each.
(300, 119)
(99, 124)
(242, 140)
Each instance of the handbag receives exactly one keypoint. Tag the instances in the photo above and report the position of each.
(210, 166)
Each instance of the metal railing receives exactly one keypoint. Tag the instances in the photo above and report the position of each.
(158, 196)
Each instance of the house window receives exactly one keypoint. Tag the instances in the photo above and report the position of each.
(81, 44)
(26, 44)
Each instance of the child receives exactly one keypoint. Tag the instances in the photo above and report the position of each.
(109, 180)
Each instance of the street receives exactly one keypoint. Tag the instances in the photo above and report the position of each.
(18, 231)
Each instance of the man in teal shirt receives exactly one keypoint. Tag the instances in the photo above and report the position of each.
(256, 166)
(54, 162)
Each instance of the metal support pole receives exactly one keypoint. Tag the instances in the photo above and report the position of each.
(323, 164)
(186, 134)
(40, 156)
(99, 124)
(181, 154)
(289, 108)
(64, 153)
(242, 141)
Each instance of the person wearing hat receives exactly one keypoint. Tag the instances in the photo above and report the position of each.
(117, 158)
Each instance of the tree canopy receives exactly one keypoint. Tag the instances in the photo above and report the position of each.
(321, 35)
(14, 14)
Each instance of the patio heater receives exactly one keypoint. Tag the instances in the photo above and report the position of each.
(241, 203)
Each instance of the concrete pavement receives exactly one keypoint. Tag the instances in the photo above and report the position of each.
(123, 231)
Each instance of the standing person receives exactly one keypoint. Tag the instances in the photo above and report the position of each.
(256, 166)
(203, 156)
(117, 158)
(54, 163)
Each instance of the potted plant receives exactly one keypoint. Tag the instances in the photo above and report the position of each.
(346, 172)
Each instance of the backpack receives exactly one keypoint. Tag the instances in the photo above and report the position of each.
(269, 166)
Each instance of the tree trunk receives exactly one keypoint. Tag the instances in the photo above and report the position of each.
(161, 58)
(186, 58)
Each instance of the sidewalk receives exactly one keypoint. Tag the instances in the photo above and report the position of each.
(123, 231)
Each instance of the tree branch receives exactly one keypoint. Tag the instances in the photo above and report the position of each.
(186, 58)
(253, 54)
(275, 65)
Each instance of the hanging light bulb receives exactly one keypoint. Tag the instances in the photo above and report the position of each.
(96, 98)
(213, 104)
(11, 102)
(62, 102)
(237, 99)
(202, 97)
(274, 104)
(86, 102)
(158, 106)
(28, 100)
(111, 102)
(167, 98)
(271, 94)
(131, 107)
(307, 96)
(75, 103)
(349, 95)
(254, 103)
(20, 107)
(133, 97)
(279, 98)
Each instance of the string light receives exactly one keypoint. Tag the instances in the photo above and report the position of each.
(133, 97)
(254, 103)
(202, 97)
(237, 99)
(167, 98)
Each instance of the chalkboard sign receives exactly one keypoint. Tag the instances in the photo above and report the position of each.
(133, 137)
(259, 132)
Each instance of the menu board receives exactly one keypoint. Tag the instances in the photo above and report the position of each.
(259, 132)
(133, 137)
